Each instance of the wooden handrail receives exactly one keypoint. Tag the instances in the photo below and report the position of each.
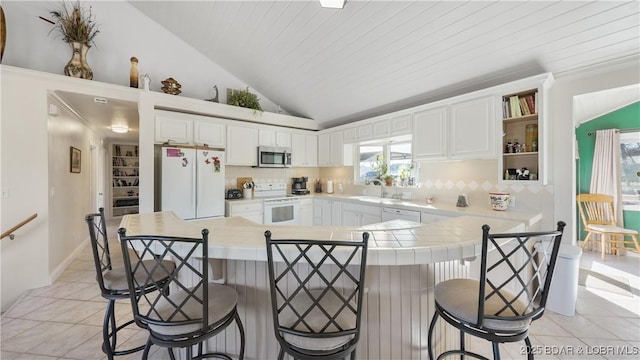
(21, 224)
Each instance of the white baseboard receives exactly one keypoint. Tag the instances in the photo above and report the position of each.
(55, 274)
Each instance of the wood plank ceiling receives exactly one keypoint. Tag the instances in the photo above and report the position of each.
(373, 57)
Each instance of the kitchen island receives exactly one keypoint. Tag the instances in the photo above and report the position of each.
(405, 261)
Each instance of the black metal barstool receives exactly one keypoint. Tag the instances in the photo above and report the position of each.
(110, 275)
(196, 309)
(316, 296)
(515, 277)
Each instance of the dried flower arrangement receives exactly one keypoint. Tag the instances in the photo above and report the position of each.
(75, 24)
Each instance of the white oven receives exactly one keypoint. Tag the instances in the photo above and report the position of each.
(279, 208)
(282, 211)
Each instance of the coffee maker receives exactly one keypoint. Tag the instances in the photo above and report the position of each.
(299, 186)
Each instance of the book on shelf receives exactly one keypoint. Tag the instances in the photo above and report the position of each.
(531, 102)
(515, 106)
(524, 108)
(506, 111)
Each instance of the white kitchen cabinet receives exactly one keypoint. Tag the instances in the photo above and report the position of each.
(364, 132)
(306, 211)
(331, 211)
(324, 152)
(317, 211)
(304, 150)
(242, 145)
(400, 125)
(472, 129)
(430, 134)
(250, 210)
(210, 134)
(173, 129)
(349, 135)
(332, 151)
(273, 137)
(360, 215)
(381, 129)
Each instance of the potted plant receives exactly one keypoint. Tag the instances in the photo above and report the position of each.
(380, 166)
(78, 28)
(244, 98)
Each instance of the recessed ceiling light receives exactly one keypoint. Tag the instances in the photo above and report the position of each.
(332, 4)
(120, 128)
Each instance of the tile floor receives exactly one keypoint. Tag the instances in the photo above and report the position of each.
(64, 320)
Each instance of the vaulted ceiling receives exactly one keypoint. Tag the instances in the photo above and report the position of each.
(374, 57)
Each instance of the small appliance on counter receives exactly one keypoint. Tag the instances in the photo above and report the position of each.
(299, 186)
(234, 194)
(318, 186)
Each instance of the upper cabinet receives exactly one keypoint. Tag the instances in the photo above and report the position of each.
(430, 134)
(188, 129)
(374, 129)
(242, 146)
(472, 129)
(210, 134)
(523, 124)
(332, 151)
(464, 129)
(273, 137)
(174, 128)
(304, 149)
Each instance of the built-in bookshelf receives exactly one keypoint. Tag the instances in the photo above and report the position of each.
(521, 143)
(124, 179)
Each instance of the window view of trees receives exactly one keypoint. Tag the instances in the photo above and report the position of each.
(385, 161)
(630, 169)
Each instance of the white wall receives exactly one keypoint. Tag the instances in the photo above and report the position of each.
(70, 197)
(563, 162)
(25, 260)
(124, 32)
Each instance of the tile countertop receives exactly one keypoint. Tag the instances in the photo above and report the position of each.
(395, 242)
(529, 217)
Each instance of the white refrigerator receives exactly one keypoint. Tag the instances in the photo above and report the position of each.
(192, 182)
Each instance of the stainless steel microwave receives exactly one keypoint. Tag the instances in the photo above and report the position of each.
(274, 157)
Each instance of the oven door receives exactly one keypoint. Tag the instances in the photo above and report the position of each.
(285, 212)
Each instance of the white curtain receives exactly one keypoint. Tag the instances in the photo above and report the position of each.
(605, 173)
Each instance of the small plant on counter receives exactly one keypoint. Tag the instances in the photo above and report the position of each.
(244, 98)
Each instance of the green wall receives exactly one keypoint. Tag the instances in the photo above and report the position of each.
(625, 118)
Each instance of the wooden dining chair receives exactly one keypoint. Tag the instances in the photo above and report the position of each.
(599, 218)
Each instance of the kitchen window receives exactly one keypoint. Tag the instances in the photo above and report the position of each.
(397, 157)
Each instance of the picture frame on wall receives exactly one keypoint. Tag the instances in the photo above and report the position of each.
(75, 162)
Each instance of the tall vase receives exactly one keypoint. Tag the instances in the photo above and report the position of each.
(77, 66)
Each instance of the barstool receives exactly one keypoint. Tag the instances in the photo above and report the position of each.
(316, 296)
(113, 283)
(511, 293)
(196, 309)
